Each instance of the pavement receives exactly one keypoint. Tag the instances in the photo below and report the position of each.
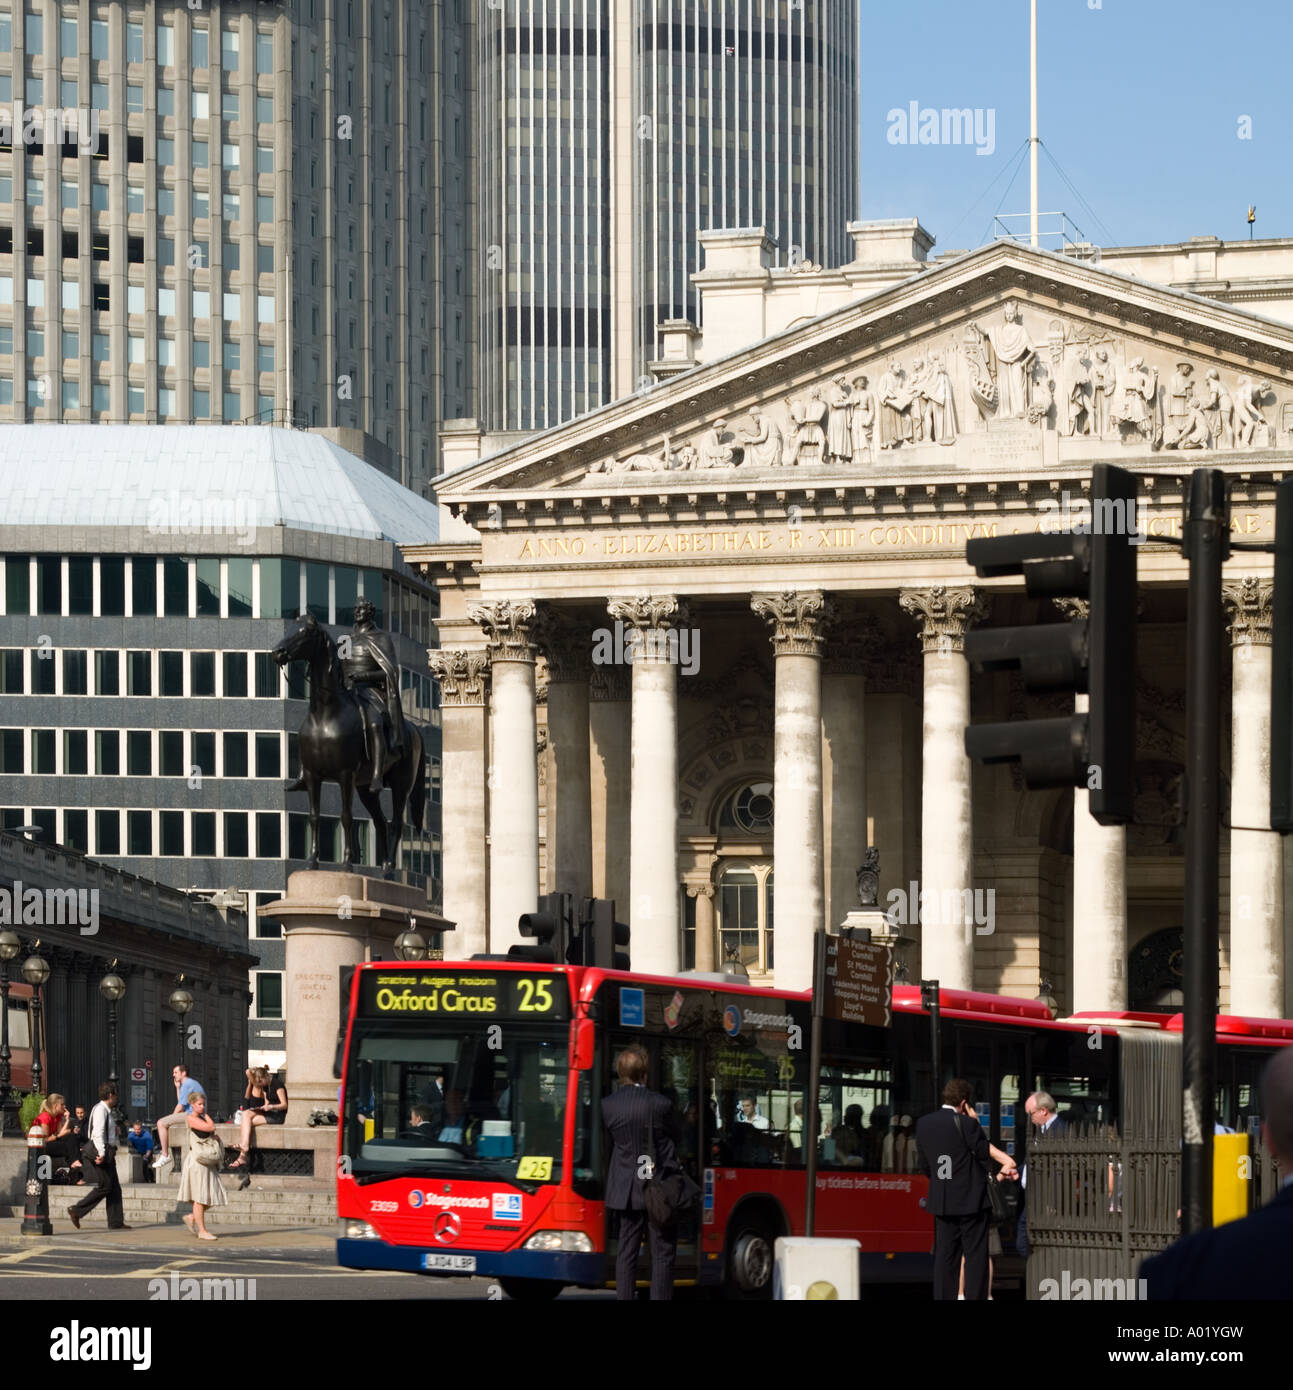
(165, 1237)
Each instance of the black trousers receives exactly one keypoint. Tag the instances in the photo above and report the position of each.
(954, 1237)
(664, 1249)
(104, 1177)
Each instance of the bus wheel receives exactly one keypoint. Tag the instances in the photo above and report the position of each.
(749, 1262)
(531, 1290)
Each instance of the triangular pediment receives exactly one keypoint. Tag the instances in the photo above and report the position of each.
(1006, 360)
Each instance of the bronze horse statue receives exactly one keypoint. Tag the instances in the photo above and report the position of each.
(333, 749)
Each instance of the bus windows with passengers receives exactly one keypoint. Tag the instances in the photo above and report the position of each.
(489, 1083)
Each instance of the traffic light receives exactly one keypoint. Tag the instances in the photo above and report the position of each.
(1094, 560)
(605, 941)
(1282, 664)
(552, 925)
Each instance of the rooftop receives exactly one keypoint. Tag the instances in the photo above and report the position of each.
(150, 476)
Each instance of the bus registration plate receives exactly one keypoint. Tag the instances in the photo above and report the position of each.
(458, 1264)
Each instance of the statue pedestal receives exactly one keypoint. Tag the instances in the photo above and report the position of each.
(883, 932)
(331, 921)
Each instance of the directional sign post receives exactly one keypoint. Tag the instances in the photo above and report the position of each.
(852, 983)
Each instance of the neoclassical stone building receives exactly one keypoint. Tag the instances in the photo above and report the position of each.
(776, 533)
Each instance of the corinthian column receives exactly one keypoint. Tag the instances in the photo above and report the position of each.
(565, 647)
(1099, 889)
(514, 769)
(464, 680)
(797, 779)
(653, 840)
(1256, 854)
(946, 812)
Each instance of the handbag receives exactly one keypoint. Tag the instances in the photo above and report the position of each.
(207, 1150)
(667, 1196)
(1002, 1206)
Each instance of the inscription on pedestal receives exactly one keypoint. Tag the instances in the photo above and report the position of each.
(1006, 445)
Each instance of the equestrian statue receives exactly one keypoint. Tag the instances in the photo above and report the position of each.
(355, 733)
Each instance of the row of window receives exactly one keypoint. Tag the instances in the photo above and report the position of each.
(70, 102)
(46, 670)
(229, 302)
(136, 347)
(40, 389)
(114, 832)
(117, 586)
(69, 45)
(196, 256)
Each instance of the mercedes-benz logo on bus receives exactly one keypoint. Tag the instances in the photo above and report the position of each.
(447, 1227)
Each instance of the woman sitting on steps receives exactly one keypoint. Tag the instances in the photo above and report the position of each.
(264, 1103)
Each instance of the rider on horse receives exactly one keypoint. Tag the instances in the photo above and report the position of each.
(372, 672)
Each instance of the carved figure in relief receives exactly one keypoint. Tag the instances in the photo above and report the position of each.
(932, 402)
(895, 406)
(1220, 410)
(916, 389)
(714, 453)
(839, 444)
(1013, 355)
(1041, 393)
(1189, 431)
(1248, 414)
(807, 416)
(763, 445)
(1103, 385)
(1178, 397)
(1075, 398)
(861, 420)
(983, 387)
(1136, 400)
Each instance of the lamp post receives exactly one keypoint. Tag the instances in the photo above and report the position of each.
(113, 988)
(35, 970)
(9, 948)
(411, 945)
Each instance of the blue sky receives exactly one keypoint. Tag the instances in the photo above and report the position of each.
(1140, 105)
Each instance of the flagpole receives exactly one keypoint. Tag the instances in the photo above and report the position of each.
(1033, 142)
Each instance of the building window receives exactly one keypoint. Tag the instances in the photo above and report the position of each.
(175, 587)
(76, 757)
(76, 830)
(166, 45)
(171, 826)
(107, 673)
(202, 674)
(235, 755)
(42, 752)
(170, 674)
(43, 673)
(139, 672)
(269, 835)
(112, 587)
(268, 682)
(170, 753)
(12, 678)
(11, 741)
(139, 753)
(203, 829)
(107, 753)
(208, 585)
(75, 673)
(235, 675)
(107, 832)
(268, 755)
(269, 994)
(202, 753)
(236, 840)
(199, 50)
(139, 832)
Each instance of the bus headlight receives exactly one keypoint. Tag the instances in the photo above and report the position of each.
(575, 1241)
(358, 1230)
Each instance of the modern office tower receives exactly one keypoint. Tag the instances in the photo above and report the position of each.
(254, 214)
(610, 132)
(145, 574)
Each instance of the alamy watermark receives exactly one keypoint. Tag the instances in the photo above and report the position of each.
(1067, 515)
(174, 514)
(915, 124)
(50, 125)
(1083, 1290)
(975, 907)
(623, 645)
(50, 907)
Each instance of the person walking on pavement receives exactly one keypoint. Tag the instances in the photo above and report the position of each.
(200, 1181)
(954, 1151)
(1046, 1124)
(635, 1118)
(99, 1161)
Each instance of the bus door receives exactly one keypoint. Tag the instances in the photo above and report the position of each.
(994, 1062)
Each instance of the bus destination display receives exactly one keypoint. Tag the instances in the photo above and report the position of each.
(476, 994)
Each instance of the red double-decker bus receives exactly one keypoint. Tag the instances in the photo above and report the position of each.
(471, 1141)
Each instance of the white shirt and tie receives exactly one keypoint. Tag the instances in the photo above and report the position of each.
(103, 1128)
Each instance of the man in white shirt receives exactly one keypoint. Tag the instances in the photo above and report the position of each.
(99, 1160)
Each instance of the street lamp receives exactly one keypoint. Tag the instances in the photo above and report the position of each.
(113, 989)
(181, 1001)
(35, 970)
(9, 948)
(411, 945)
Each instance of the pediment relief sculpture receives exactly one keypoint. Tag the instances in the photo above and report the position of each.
(1011, 373)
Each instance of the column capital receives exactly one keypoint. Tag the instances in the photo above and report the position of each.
(1248, 604)
(1073, 608)
(609, 683)
(798, 619)
(507, 628)
(700, 890)
(463, 675)
(563, 643)
(649, 612)
(944, 615)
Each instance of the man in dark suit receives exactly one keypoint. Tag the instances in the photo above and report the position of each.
(953, 1150)
(633, 1115)
(1247, 1259)
(99, 1161)
(1044, 1123)
(422, 1126)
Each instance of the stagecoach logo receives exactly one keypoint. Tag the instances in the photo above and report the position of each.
(447, 1227)
(732, 1020)
(416, 1199)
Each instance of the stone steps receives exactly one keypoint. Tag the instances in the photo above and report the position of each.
(145, 1204)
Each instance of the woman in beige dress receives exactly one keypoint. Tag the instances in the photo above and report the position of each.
(199, 1183)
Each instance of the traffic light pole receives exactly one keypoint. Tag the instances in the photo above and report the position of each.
(1207, 533)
